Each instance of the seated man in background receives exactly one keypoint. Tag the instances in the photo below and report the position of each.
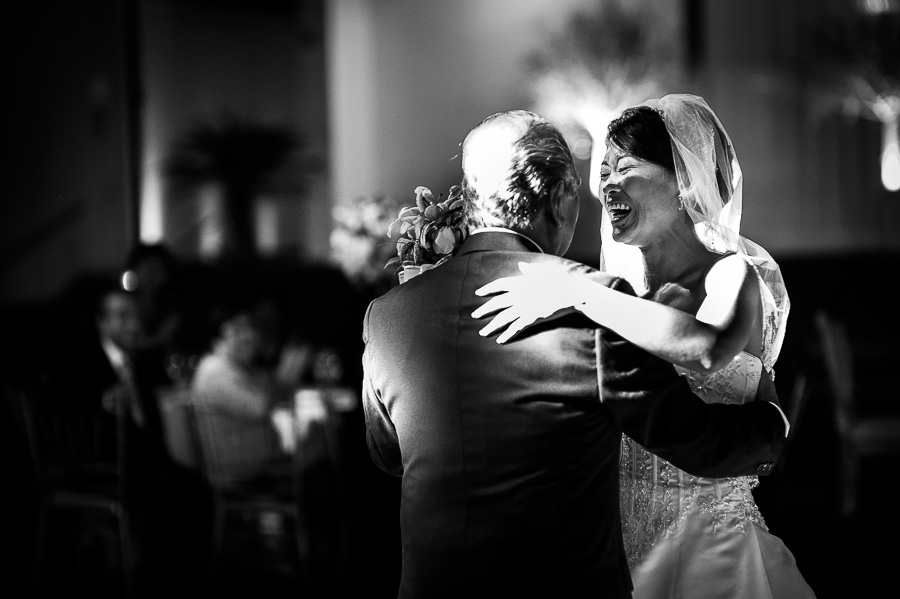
(102, 370)
(95, 351)
(99, 369)
(119, 330)
(133, 375)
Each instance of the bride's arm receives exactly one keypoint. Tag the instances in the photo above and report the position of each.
(705, 343)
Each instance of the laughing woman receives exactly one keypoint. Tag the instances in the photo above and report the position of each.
(714, 304)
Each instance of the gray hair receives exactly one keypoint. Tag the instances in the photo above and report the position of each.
(519, 185)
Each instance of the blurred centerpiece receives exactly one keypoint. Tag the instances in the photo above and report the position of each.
(228, 166)
(358, 246)
(853, 62)
(428, 233)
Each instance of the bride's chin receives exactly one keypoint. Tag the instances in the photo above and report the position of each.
(625, 232)
(619, 234)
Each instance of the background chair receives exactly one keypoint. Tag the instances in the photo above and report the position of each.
(77, 461)
(858, 436)
(174, 404)
(797, 406)
(237, 460)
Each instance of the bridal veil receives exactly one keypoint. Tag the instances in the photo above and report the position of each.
(711, 186)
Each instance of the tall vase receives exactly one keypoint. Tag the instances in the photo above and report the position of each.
(410, 271)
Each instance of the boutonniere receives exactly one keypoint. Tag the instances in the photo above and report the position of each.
(431, 231)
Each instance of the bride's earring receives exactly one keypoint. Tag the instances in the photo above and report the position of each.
(680, 203)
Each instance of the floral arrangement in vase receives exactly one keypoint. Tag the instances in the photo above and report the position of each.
(429, 232)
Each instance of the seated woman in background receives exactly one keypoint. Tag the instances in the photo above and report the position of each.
(235, 393)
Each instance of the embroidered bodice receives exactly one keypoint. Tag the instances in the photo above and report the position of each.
(655, 496)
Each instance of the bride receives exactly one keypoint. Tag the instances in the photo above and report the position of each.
(714, 304)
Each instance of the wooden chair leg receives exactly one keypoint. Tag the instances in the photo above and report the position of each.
(850, 475)
(305, 572)
(127, 550)
(217, 547)
(39, 548)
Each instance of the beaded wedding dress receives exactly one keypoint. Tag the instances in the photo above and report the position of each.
(687, 536)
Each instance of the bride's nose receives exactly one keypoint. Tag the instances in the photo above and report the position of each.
(608, 189)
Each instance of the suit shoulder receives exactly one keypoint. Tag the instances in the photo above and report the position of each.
(382, 309)
(375, 313)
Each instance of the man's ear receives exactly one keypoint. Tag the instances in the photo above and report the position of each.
(553, 207)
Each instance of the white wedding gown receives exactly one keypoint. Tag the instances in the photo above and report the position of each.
(702, 538)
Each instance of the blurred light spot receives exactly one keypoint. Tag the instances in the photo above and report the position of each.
(267, 227)
(212, 221)
(327, 368)
(129, 280)
(890, 156)
(309, 407)
(176, 360)
(151, 207)
(581, 148)
(879, 7)
(890, 168)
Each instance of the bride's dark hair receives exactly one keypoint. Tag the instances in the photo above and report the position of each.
(641, 132)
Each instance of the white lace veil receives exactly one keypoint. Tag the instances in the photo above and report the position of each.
(710, 183)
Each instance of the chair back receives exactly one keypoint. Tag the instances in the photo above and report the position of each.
(70, 448)
(178, 433)
(838, 357)
(232, 449)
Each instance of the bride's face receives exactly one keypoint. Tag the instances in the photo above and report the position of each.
(641, 198)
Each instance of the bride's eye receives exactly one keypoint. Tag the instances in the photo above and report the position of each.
(604, 174)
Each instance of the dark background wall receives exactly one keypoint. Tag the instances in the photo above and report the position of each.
(70, 204)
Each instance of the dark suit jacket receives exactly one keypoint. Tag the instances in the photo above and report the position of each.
(509, 453)
(83, 374)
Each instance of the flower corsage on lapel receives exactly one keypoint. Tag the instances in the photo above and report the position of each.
(428, 233)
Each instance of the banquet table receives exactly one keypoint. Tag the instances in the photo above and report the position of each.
(292, 420)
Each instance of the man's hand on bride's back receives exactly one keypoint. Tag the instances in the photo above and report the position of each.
(544, 291)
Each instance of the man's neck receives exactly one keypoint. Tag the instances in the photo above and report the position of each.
(530, 241)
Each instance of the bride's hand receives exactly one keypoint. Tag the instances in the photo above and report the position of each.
(544, 291)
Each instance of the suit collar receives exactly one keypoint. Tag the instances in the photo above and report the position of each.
(497, 239)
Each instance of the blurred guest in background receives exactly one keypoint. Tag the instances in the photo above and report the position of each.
(105, 369)
(237, 386)
(126, 370)
(95, 351)
(170, 504)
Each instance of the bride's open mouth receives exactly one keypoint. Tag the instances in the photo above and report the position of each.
(617, 211)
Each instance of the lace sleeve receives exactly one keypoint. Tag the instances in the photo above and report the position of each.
(774, 297)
